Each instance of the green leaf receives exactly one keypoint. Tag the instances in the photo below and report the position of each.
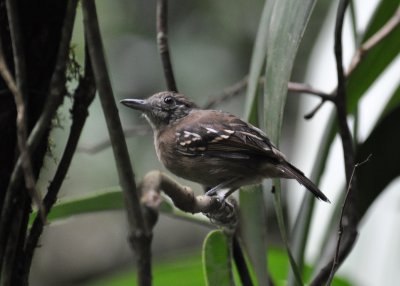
(377, 59)
(383, 143)
(286, 29)
(216, 259)
(110, 199)
(257, 62)
(253, 230)
(254, 225)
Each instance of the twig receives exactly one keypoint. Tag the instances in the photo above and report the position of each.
(54, 99)
(349, 210)
(228, 93)
(84, 95)
(17, 88)
(162, 41)
(137, 130)
(305, 88)
(140, 234)
(237, 88)
(375, 39)
(341, 227)
(311, 114)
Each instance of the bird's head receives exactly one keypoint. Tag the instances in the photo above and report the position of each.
(163, 108)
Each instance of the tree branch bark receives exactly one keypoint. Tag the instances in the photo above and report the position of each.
(162, 41)
(140, 234)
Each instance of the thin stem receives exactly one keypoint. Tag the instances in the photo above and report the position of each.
(227, 93)
(140, 234)
(311, 114)
(83, 97)
(162, 41)
(305, 88)
(341, 227)
(238, 87)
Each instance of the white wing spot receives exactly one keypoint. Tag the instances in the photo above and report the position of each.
(210, 130)
(216, 139)
(229, 131)
(225, 136)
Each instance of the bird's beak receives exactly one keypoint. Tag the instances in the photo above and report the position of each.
(139, 104)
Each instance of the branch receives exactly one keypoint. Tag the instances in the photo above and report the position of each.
(162, 41)
(140, 234)
(238, 87)
(311, 114)
(104, 144)
(54, 99)
(375, 39)
(83, 97)
(362, 51)
(228, 93)
(340, 100)
(341, 224)
(222, 214)
(18, 89)
(349, 210)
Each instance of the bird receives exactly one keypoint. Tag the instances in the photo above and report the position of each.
(213, 148)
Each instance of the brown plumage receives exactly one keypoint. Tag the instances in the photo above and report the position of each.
(213, 148)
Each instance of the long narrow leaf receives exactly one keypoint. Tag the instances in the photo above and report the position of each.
(286, 30)
(110, 199)
(257, 61)
(252, 208)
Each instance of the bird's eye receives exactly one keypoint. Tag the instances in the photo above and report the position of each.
(168, 100)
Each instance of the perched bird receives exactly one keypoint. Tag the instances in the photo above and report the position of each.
(213, 148)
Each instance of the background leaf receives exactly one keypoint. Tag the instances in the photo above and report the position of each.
(110, 199)
(216, 259)
(376, 60)
(383, 143)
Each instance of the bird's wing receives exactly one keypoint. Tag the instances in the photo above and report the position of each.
(223, 135)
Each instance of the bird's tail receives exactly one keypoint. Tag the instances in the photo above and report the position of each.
(294, 173)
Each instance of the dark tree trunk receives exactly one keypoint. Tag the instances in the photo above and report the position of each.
(41, 22)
